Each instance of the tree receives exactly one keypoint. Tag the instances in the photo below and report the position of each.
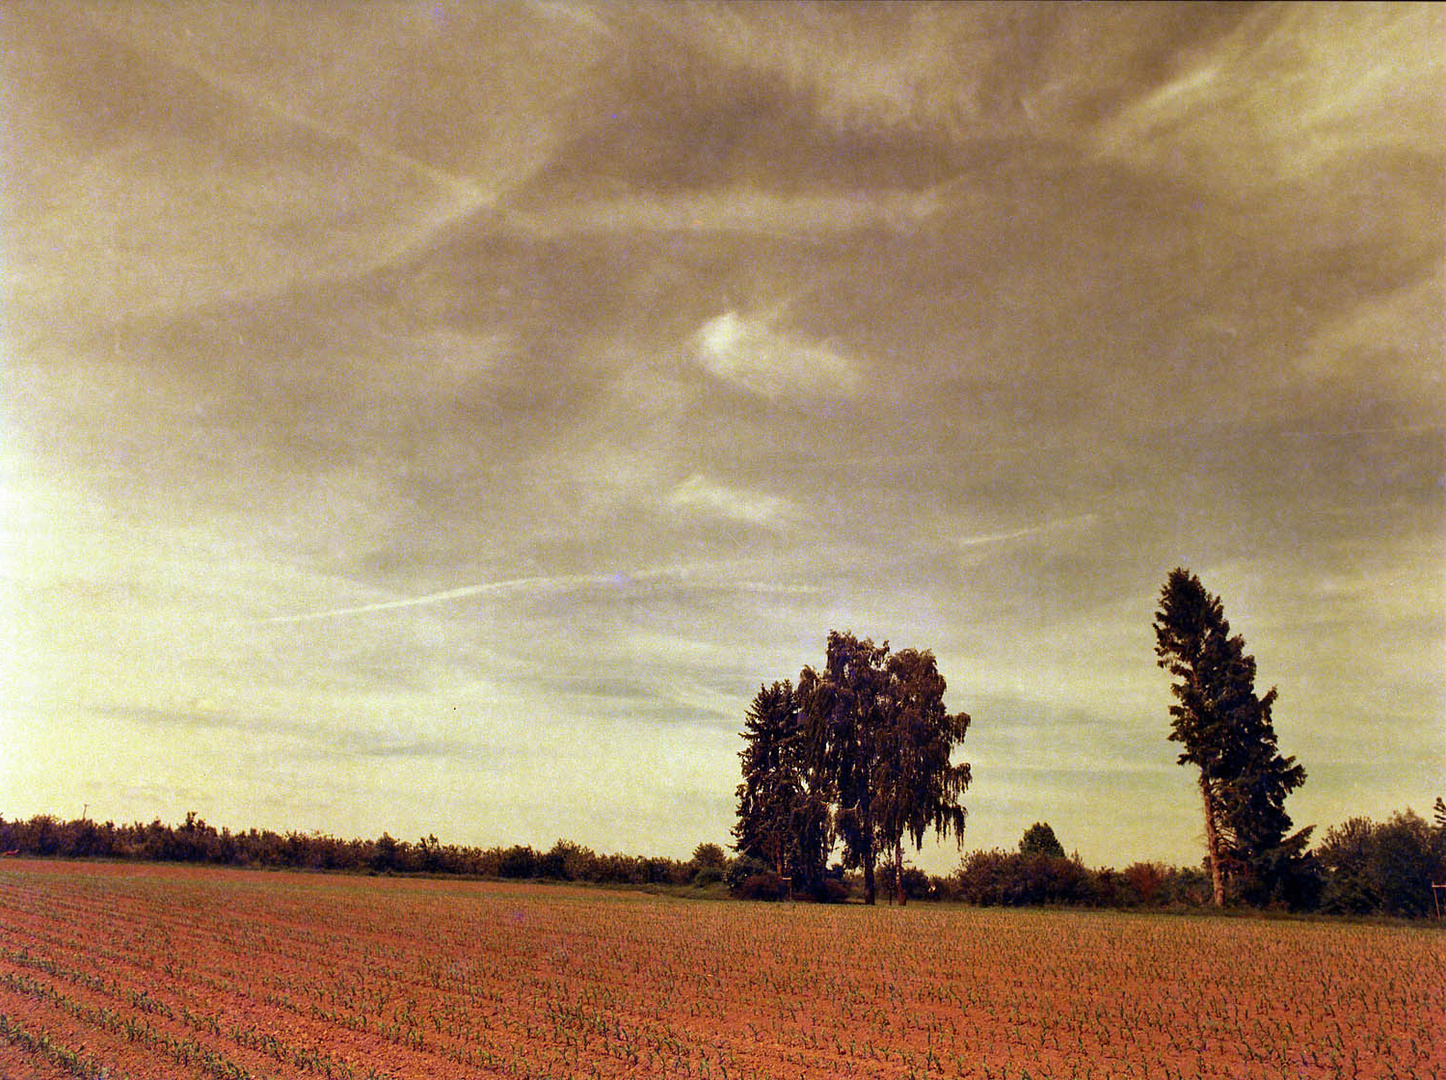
(878, 727)
(1039, 839)
(917, 787)
(862, 751)
(782, 813)
(709, 855)
(1227, 732)
(1387, 868)
(844, 714)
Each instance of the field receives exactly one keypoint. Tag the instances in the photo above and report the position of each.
(168, 972)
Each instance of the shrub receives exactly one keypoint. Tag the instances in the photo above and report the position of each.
(1007, 879)
(765, 886)
(741, 869)
(518, 861)
(1387, 867)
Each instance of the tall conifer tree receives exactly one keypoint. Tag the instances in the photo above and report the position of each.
(1227, 732)
(782, 813)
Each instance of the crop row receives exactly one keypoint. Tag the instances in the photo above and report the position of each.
(213, 973)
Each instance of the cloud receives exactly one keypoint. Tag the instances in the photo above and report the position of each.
(197, 715)
(747, 352)
(1072, 525)
(697, 492)
(565, 480)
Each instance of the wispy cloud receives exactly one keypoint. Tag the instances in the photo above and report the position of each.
(193, 716)
(1071, 524)
(539, 583)
(748, 352)
(739, 504)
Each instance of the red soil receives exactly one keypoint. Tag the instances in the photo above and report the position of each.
(173, 972)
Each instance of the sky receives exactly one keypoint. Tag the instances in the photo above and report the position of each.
(441, 418)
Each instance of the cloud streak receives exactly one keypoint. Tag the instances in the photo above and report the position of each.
(1072, 525)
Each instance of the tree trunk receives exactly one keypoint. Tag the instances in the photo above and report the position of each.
(870, 893)
(1212, 843)
(899, 874)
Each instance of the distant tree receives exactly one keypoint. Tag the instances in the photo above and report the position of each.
(845, 712)
(386, 854)
(1346, 853)
(708, 865)
(916, 785)
(782, 804)
(876, 725)
(1406, 864)
(709, 855)
(564, 861)
(1438, 817)
(1039, 839)
(1227, 732)
(1015, 879)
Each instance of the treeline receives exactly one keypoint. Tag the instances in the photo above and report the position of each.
(195, 841)
(1361, 867)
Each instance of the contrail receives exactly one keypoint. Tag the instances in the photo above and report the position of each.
(560, 581)
(1032, 530)
(565, 582)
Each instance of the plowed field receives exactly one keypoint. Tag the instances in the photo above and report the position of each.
(165, 972)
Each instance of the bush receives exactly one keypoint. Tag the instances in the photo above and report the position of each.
(518, 861)
(741, 869)
(1387, 868)
(916, 883)
(765, 886)
(705, 876)
(1001, 878)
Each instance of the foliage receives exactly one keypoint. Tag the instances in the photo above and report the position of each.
(195, 841)
(1387, 867)
(707, 866)
(741, 869)
(782, 801)
(918, 786)
(709, 855)
(1226, 731)
(916, 884)
(764, 886)
(1018, 879)
(843, 710)
(1039, 839)
(1015, 879)
(1367, 868)
(872, 743)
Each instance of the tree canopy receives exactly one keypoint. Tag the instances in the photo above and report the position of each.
(1039, 839)
(783, 799)
(860, 751)
(1226, 731)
